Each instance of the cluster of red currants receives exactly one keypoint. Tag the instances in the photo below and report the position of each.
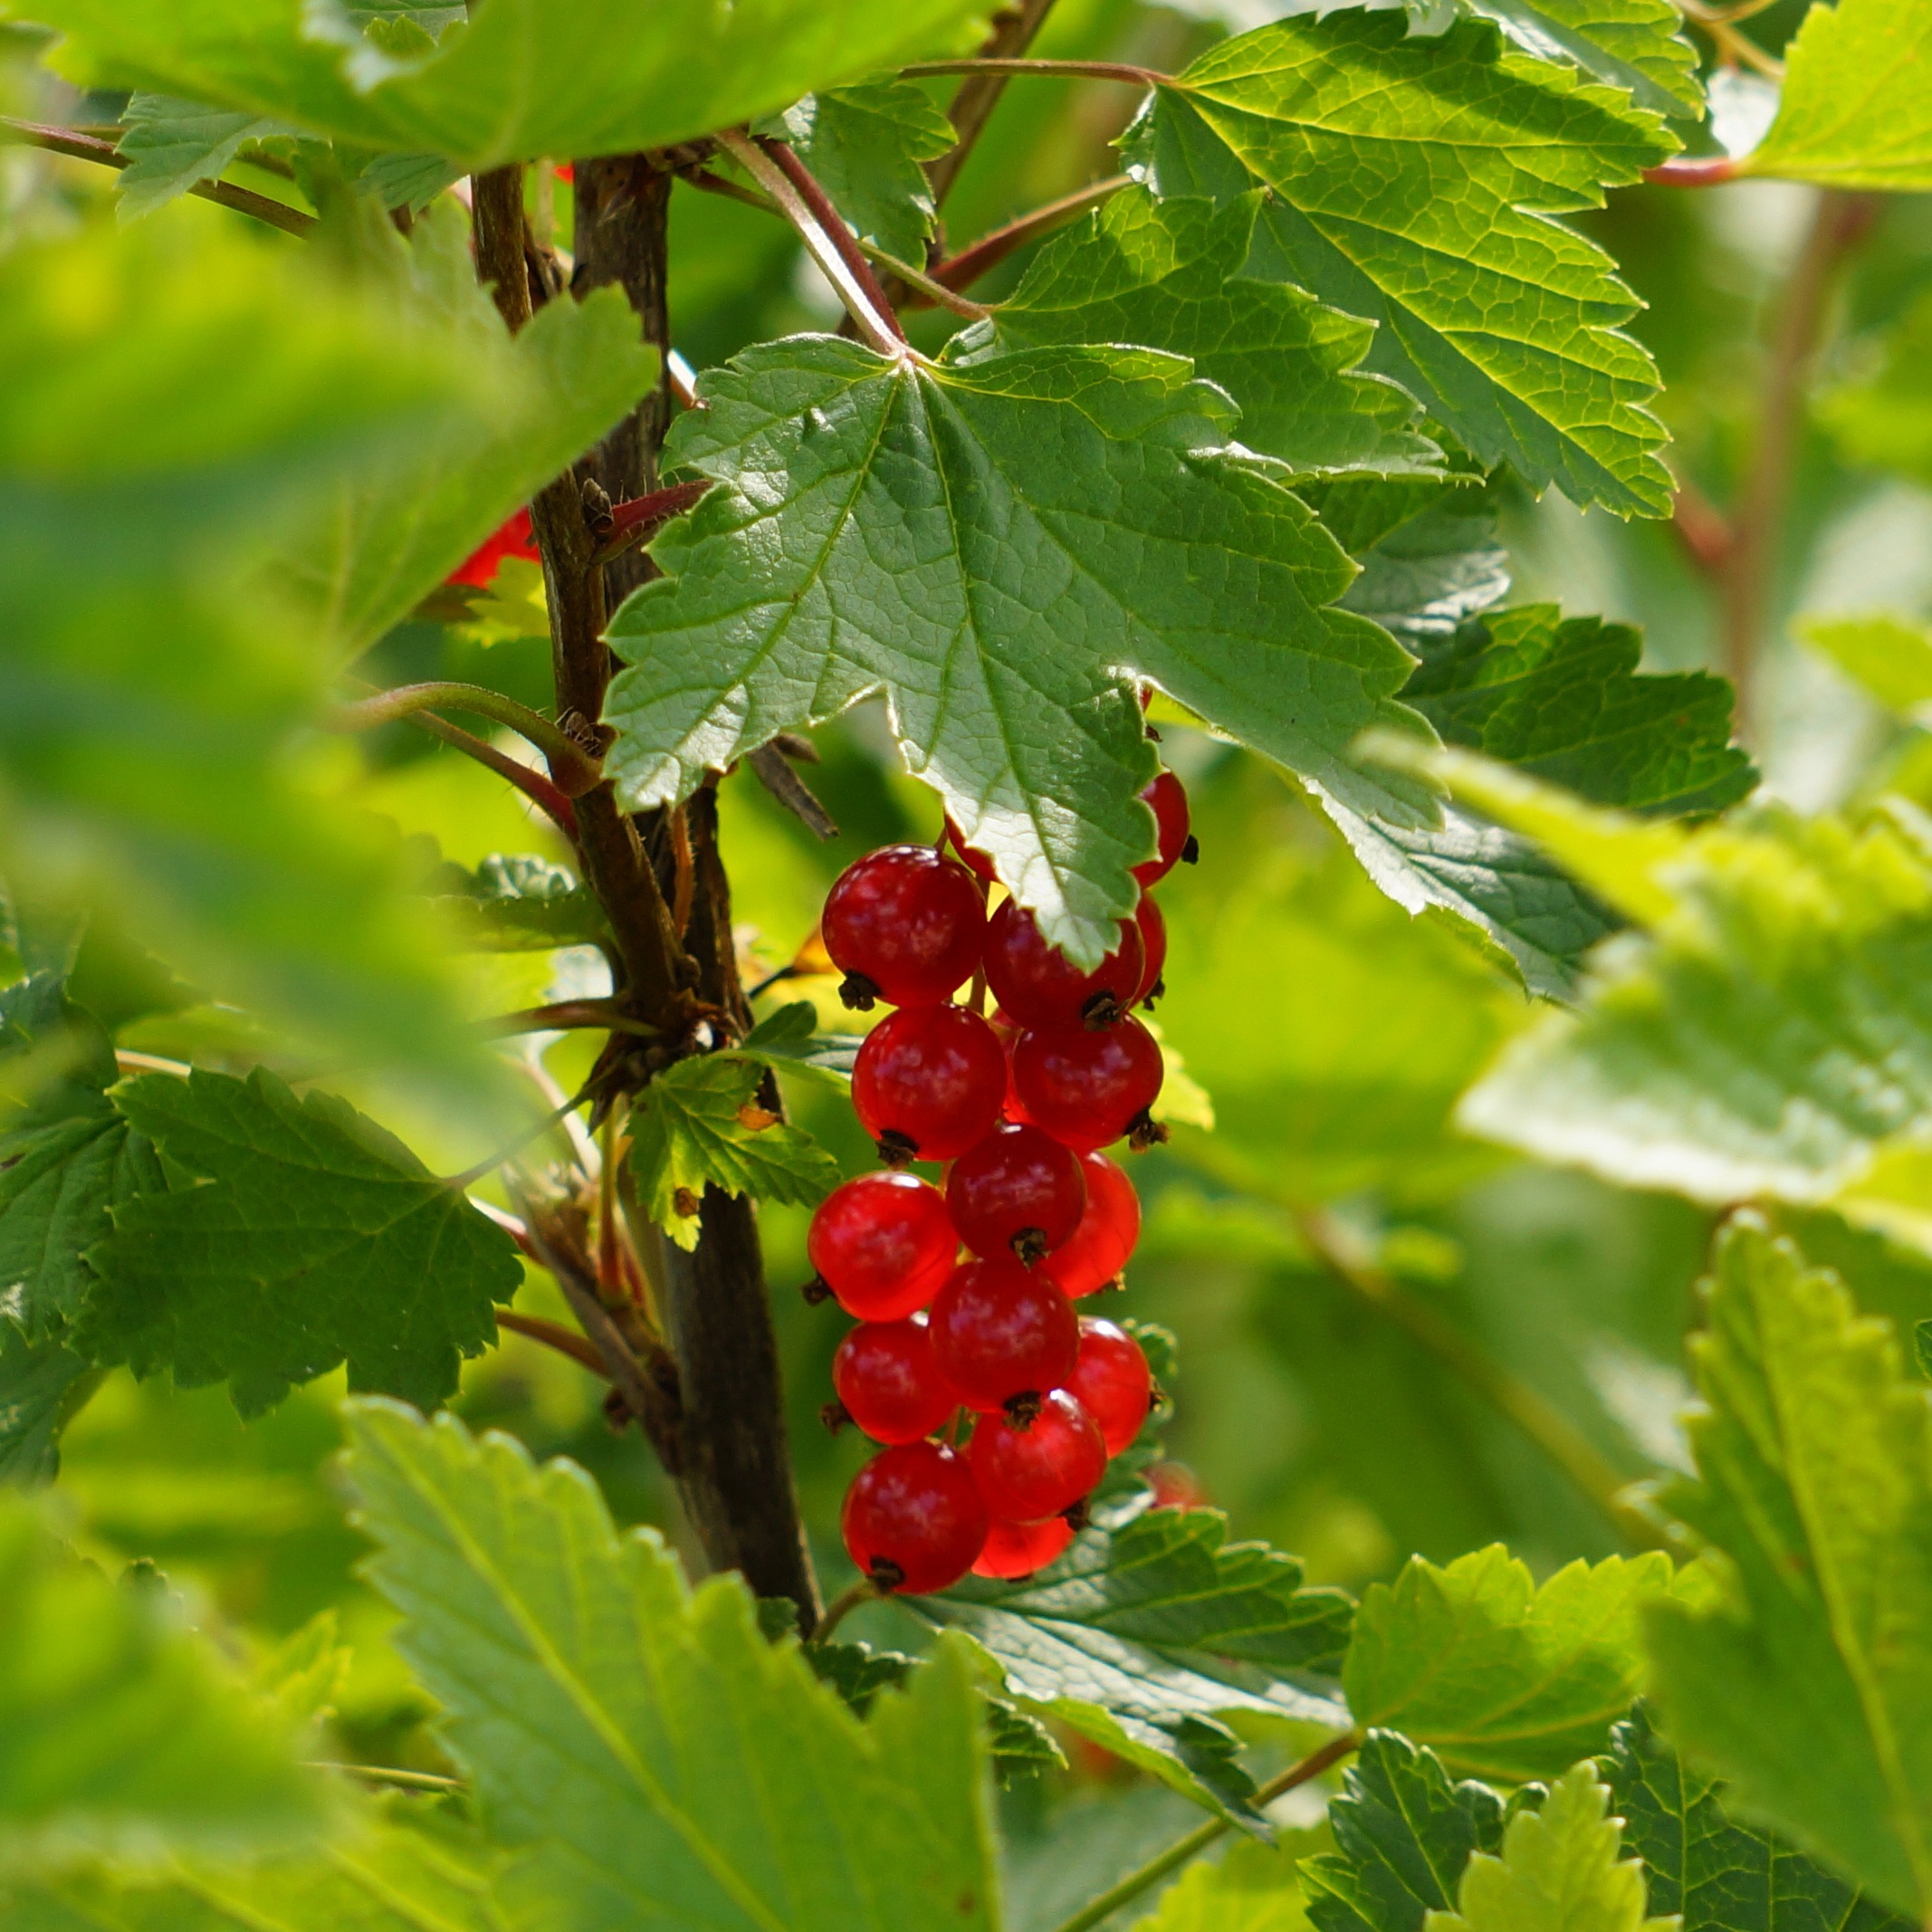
(1015, 1108)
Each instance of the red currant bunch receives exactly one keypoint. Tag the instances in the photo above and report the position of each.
(965, 1292)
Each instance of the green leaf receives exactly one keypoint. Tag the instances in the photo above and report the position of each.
(1432, 567)
(394, 535)
(516, 902)
(1922, 1341)
(864, 146)
(1561, 698)
(1890, 657)
(1704, 1866)
(121, 1731)
(1808, 1683)
(700, 1123)
(994, 544)
(1252, 1888)
(1885, 419)
(666, 1764)
(300, 1236)
(1143, 1635)
(42, 1386)
(1853, 112)
(1168, 274)
(526, 78)
(1636, 44)
(1403, 1836)
(1503, 322)
(1558, 1871)
(788, 1041)
(172, 143)
(1500, 1679)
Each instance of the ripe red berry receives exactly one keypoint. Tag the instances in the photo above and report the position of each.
(904, 924)
(1154, 948)
(888, 1378)
(1088, 1090)
(912, 1519)
(1035, 1465)
(1099, 1247)
(1040, 987)
(1168, 800)
(971, 857)
(1175, 1487)
(1018, 1549)
(511, 539)
(928, 1083)
(1112, 1381)
(1018, 1191)
(1000, 1331)
(884, 1244)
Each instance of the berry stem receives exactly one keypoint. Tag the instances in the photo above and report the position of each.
(847, 1600)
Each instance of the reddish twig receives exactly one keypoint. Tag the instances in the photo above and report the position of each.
(554, 1334)
(534, 785)
(1062, 70)
(962, 270)
(834, 224)
(977, 95)
(1706, 171)
(632, 522)
(1703, 529)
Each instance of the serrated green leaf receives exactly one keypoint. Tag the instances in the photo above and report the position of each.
(1558, 1871)
(1403, 1836)
(1853, 112)
(1705, 1868)
(665, 1764)
(1889, 656)
(1500, 1679)
(121, 1731)
(301, 1236)
(864, 146)
(1561, 699)
(517, 902)
(525, 78)
(789, 1040)
(993, 544)
(1436, 564)
(1636, 44)
(42, 1385)
(698, 1125)
(1142, 1635)
(1808, 1683)
(1503, 323)
(171, 144)
(1168, 274)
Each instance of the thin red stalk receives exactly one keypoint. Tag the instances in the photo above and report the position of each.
(834, 224)
(1706, 171)
(1063, 70)
(564, 1015)
(554, 1334)
(962, 270)
(534, 785)
(974, 102)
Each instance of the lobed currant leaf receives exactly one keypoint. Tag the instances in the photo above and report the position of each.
(41, 1384)
(997, 544)
(171, 144)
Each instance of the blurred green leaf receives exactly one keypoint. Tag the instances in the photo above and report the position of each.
(891, 497)
(1885, 418)
(1807, 1684)
(1252, 1888)
(121, 1731)
(662, 1761)
(1704, 1866)
(1403, 1836)
(1558, 1871)
(1500, 1679)
(517, 902)
(1351, 124)
(1889, 656)
(1851, 112)
(296, 1234)
(1168, 274)
(171, 144)
(42, 1383)
(526, 78)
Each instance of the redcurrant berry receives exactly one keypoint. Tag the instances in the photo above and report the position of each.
(904, 924)
(1175, 1487)
(1098, 1248)
(912, 1519)
(1018, 1549)
(1088, 1090)
(888, 1379)
(884, 1244)
(1112, 1381)
(1018, 1191)
(1000, 1331)
(1040, 987)
(1154, 948)
(1169, 798)
(975, 861)
(1037, 1463)
(928, 1083)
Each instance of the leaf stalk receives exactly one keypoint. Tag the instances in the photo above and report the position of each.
(574, 770)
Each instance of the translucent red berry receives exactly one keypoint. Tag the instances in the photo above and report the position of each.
(513, 538)
(1175, 1487)
(884, 1244)
(904, 925)
(1168, 800)
(1018, 1191)
(1099, 1247)
(1112, 1381)
(888, 1378)
(1034, 1464)
(1087, 1089)
(912, 1519)
(1018, 1549)
(1040, 987)
(971, 857)
(1001, 1331)
(928, 1083)
(1154, 950)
